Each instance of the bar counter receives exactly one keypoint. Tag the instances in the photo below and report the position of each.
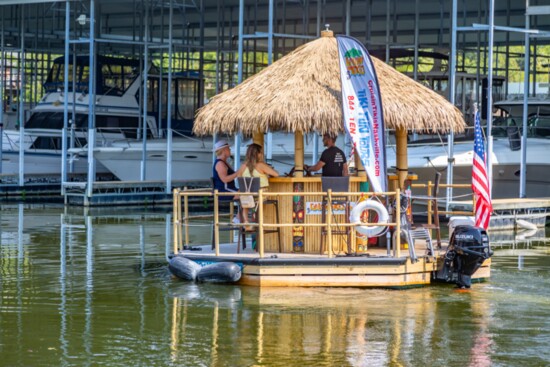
(303, 209)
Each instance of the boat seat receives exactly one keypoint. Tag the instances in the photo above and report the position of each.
(336, 184)
(435, 211)
(253, 183)
(514, 137)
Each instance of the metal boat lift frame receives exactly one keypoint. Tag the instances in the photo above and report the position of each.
(380, 28)
(491, 28)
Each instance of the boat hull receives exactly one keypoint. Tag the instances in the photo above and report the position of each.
(125, 163)
(291, 270)
(44, 163)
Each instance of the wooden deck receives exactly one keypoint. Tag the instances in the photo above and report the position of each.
(373, 269)
(299, 262)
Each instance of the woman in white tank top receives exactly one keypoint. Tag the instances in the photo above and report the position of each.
(254, 166)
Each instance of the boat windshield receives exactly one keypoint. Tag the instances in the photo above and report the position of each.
(126, 125)
(186, 97)
(114, 75)
(538, 126)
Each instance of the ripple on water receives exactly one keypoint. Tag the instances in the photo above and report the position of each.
(96, 291)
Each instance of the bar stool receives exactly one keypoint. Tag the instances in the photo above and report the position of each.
(230, 227)
(253, 184)
(336, 184)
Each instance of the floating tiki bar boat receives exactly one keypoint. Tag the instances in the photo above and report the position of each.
(300, 94)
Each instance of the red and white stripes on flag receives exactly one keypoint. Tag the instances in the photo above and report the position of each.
(480, 182)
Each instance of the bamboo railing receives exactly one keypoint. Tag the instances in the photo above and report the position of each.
(182, 221)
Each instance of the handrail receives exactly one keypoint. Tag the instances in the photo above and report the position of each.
(11, 142)
(186, 193)
(178, 220)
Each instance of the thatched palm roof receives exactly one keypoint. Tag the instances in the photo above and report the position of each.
(302, 92)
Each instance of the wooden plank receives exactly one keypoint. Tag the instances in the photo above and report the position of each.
(311, 235)
(421, 266)
(379, 281)
(316, 178)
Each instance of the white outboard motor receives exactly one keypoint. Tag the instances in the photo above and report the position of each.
(468, 249)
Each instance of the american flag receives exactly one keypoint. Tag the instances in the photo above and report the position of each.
(480, 182)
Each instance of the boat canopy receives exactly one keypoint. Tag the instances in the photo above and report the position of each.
(113, 75)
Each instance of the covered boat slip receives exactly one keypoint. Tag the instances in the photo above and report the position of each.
(388, 265)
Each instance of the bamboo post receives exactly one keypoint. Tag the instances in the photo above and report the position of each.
(231, 213)
(430, 205)
(397, 244)
(175, 220)
(177, 216)
(261, 222)
(329, 222)
(401, 156)
(353, 239)
(298, 154)
(258, 138)
(359, 168)
(216, 224)
(186, 215)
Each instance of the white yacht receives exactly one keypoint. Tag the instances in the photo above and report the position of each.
(427, 158)
(191, 158)
(118, 115)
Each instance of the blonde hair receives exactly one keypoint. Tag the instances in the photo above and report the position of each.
(252, 154)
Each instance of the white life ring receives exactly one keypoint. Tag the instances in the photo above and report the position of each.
(383, 216)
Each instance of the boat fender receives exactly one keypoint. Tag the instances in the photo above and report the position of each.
(524, 234)
(222, 272)
(379, 208)
(525, 224)
(184, 268)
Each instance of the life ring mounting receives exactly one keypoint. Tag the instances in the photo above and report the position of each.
(381, 211)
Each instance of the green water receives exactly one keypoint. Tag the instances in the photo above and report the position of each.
(94, 290)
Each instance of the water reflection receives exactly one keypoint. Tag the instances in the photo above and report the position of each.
(92, 289)
(520, 238)
(92, 265)
(63, 343)
(332, 326)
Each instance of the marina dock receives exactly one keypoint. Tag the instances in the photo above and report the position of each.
(142, 193)
(506, 212)
(43, 188)
(518, 204)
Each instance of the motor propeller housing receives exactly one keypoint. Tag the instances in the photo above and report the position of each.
(468, 248)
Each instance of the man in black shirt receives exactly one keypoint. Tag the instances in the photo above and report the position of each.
(333, 160)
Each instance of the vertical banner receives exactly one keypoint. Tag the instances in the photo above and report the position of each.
(362, 109)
